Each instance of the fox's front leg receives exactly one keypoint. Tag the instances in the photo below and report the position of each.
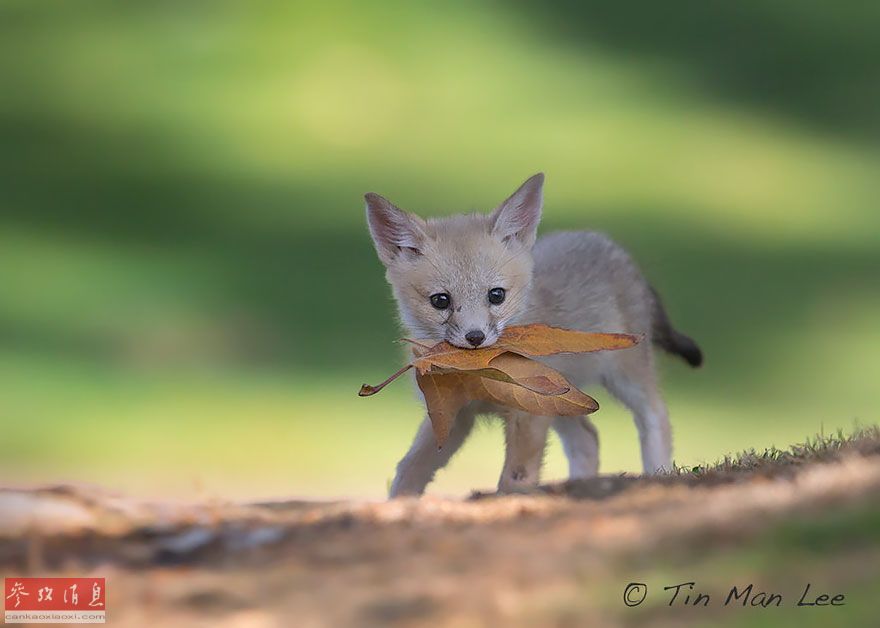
(417, 468)
(526, 437)
(580, 442)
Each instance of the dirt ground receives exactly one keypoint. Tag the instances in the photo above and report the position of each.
(560, 557)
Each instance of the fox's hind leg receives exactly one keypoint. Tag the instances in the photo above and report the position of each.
(633, 381)
(417, 468)
(580, 441)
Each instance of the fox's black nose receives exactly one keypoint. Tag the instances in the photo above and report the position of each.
(475, 337)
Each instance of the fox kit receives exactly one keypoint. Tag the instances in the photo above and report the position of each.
(464, 278)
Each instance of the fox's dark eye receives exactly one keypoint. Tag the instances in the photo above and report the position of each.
(496, 296)
(440, 300)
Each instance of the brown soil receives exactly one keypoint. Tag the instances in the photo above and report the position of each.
(560, 557)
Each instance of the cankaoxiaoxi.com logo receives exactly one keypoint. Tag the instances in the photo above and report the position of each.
(55, 600)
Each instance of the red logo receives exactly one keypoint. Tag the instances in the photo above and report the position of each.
(55, 600)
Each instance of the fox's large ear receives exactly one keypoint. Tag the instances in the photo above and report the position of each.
(394, 231)
(519, 215)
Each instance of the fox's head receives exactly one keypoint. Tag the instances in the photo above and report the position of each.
(461, 278)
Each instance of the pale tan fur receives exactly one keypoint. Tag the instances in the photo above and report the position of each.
(579, 280)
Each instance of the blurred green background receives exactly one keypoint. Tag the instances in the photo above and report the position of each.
(190, 300)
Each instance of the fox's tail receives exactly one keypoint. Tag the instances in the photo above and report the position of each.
(667, 338)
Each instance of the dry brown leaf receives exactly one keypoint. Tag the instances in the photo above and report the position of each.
(445, 355)
(528, 373)
(531, 340)
(539, 340)
(450, 377)
(514, 369)
(447, 393)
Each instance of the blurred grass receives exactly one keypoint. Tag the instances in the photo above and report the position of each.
(190, 297)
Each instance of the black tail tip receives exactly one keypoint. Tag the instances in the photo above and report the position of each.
(688, 350)
(694, 357)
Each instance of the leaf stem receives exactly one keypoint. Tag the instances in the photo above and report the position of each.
(367, 390)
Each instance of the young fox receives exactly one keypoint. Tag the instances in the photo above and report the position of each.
(464, 278)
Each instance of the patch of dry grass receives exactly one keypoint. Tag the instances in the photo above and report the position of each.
(821, 448)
